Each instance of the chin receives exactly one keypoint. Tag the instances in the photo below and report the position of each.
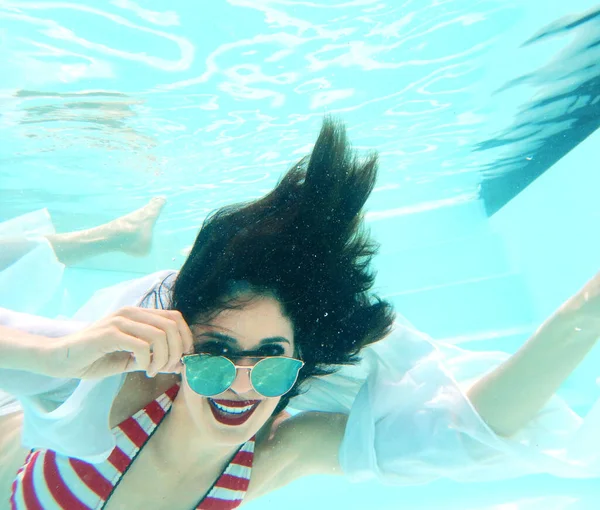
(229, 422)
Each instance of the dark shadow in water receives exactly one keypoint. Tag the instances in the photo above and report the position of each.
(565, 112)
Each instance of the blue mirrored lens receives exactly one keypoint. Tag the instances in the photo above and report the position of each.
(209, 375)
(272, 377)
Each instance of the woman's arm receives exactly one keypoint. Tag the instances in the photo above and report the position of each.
(24, 344)
(131, 339)
(511, 395)
(23, 337)
(18, 349)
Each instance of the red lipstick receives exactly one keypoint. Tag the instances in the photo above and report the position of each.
(229, 418)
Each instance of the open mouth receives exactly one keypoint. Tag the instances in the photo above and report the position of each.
(230, 412)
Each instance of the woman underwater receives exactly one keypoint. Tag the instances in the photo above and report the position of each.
(164, 392)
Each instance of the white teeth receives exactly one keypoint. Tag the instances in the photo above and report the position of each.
(232, 410)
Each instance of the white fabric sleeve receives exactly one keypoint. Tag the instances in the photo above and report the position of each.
(410, 421)
(71, 416)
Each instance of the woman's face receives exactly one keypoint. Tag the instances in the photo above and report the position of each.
(258, 327)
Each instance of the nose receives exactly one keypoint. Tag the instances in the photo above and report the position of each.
(241, 384)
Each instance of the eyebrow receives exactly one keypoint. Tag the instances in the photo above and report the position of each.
(231, 340)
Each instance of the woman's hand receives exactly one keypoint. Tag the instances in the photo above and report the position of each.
(129, 340)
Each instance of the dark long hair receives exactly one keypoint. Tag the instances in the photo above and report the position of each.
(304, 243)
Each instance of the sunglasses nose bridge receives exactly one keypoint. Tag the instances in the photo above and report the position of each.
(242, 384)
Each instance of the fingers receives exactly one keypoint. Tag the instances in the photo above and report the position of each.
(140, 356)
(164, 330)
(158, 338)
(184, 330)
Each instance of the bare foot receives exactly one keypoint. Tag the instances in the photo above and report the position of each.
(133, 232)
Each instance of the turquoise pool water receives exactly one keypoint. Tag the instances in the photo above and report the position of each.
(483, 113)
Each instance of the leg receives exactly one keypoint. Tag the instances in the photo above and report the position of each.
(131, 234)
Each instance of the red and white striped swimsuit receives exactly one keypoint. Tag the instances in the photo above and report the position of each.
(49, 481)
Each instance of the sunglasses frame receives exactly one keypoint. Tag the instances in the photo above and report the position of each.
(246, 367)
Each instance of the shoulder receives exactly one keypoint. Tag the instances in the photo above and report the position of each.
(305, 444)
(313, 439)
